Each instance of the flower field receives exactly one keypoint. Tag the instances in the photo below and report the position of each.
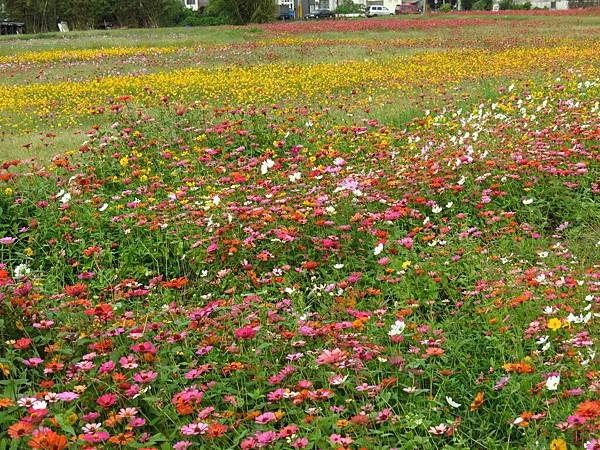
(327, 240)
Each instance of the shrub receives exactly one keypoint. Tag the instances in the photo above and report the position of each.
(510, 4)
(445, 8)
(482, 4)
(241, 12)
(205, 21)
(349, 7)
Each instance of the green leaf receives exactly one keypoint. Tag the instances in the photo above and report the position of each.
(63, 422)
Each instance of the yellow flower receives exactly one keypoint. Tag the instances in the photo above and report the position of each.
(28, 251)
(5, 369)
(124, 161)
(406, 265)
(554, 324)
(8, 191)
(558, 444)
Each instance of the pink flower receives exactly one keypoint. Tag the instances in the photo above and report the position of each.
(340, 440)
(265, 438)
(145, 376)
(593, 444)
(265, 418)
(300, 443)
(245, 333)
(288, 430)
(194, 428)
(107, 367)
(331, 356)
(96, 436)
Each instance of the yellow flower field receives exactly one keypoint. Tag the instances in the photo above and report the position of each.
(266, 83)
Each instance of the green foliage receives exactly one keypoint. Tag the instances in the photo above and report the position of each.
(204, 21)
(510, 4)
(445, 8)
(482, 5)
(43, 15)
(241, 12)
(349, 7)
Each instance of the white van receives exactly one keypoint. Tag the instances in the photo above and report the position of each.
(377, 10)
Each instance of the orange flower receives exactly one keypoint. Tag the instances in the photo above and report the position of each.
(477, 402)
(6, 402)
(177, 283)
(19, 429)
(519, 367)
(216, 430)
(122, 438)
(434, 351)
(589, 409)
(48, 440)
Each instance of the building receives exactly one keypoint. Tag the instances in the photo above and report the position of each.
(195, 5)
(303, 7)
(561, 4)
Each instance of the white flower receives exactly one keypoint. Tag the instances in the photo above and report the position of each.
(518, 420)
(546, 346)
(216, 200)
(39, 405)
(552, 382)
(543, 254)
(65, 198)
(338, 266)
(103, 207)
(266, 165)
(22, 270)
(528, 201)
(452, 403)
(397, 328)
(436, 209)
(295, 176)
(378, 249)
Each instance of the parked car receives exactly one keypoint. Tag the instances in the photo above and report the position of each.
(408, 8)
(286, 15)
(378, 10)
(320, 14)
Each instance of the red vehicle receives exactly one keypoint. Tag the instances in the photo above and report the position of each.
(408, 8)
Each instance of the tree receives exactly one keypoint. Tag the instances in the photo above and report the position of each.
(42, 15)
(241, 12)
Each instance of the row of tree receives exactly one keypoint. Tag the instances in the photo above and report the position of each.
(43, 15)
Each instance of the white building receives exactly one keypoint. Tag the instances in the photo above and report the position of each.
(195, 5)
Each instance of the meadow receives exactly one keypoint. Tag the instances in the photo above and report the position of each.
(350, 234)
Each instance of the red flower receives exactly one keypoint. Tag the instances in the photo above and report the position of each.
(106, 400)
(75, 290)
